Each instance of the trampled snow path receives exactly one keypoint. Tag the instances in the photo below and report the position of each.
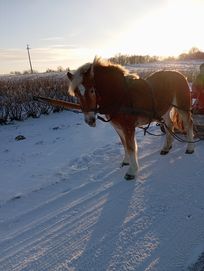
(89, 218)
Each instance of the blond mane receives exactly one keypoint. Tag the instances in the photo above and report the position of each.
(78, 77)
(98, 61)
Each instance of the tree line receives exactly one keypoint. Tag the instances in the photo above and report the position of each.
(125, 59)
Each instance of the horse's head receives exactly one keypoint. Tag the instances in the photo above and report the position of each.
(82, 86)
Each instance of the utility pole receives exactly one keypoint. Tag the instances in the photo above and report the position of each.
(31, 68)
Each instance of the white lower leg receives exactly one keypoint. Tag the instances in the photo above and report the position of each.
(126, 159)
(168, 142)
(133, 168)
(188, 126)
(168, 138)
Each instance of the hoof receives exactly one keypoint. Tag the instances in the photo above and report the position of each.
(129, 177)
(164, 152)
(189, 152)
(124, 164)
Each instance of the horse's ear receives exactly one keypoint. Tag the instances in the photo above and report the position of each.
(92, 70)
(70, 75)
(89, 71)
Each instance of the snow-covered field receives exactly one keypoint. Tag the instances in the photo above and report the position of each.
(64, 204)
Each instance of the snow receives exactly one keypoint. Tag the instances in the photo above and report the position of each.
(64, 204)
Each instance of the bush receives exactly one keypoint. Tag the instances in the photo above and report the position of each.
(16, 95)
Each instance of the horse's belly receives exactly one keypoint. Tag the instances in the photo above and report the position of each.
(142, 121)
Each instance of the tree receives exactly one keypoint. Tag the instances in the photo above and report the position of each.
(193, 50)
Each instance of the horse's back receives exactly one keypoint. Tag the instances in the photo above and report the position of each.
(170, 87)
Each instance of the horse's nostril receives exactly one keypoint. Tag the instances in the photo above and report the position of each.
(90, 120)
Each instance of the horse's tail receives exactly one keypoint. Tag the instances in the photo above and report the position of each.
(177, 121)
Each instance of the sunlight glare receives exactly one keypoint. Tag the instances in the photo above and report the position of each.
(168, 31)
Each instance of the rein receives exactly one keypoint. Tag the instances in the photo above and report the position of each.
(178, 138)
(145, 129)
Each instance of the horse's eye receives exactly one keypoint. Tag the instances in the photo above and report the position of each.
(92, 91)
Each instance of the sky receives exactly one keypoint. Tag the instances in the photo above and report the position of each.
(69, 33)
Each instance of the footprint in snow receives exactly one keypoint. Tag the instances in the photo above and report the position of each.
(39, 142)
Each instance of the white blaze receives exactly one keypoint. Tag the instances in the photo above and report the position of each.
(82, 89)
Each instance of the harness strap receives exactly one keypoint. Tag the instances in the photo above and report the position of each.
(103, 119)
(130, 110)
(149, 133)
(145, 128)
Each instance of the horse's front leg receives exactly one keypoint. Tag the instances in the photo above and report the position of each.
(121, 134)
(131, 146)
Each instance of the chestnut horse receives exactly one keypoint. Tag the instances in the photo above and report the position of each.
(129, 101)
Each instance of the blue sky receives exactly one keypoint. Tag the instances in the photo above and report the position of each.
(69, 33)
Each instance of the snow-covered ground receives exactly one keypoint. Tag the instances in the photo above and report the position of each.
(64, 204)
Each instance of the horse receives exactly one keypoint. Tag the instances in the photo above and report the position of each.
(128, 101)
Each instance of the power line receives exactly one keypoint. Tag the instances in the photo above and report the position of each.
(31, 68)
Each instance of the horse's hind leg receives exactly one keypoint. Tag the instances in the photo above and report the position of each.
(168, 138)
(188, 126)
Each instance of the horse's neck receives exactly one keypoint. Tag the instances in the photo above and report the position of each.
(109, 86)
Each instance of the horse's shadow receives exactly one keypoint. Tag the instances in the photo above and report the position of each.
(102, 244)
(104, 236)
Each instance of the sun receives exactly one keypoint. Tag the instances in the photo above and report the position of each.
(168, 31)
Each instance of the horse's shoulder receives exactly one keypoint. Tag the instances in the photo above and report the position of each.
(134, 82)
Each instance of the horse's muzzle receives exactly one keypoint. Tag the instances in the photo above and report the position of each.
(90, 119)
